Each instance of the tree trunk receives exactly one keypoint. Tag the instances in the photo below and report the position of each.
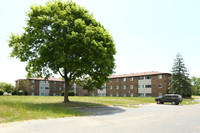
(67, 86)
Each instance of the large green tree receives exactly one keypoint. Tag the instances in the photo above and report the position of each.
(180, 82)
(62, 37)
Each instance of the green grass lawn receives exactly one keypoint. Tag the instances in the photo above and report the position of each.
(18, 108)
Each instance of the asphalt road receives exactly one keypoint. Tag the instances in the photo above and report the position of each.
(151, 118)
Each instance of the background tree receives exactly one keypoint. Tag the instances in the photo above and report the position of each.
(24, 85)
(195, 85)
(89, 84)
(62, 37)
(180, 82)
(7, 87)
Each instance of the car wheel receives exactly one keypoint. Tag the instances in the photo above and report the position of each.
(158, 102)
(173, 103)
(177, 103)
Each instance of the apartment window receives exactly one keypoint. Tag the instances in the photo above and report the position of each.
(124, 79)
(147, 86)
(41, 88)
(60, 83)
(54, 82)
(117, 80)
(131, 86)
(148, 94)
(33, 81)
(131, 78)
(141, 94)
(117, 94)
(92, 93)
(42, 94)
(41, 81)
(117, 87)
(124, 94)
(110, 80)
(124, 86)
(131, 94)
(46, 94)
(159, 85)
(46, 82)
(54, 88)
(111, 87)
(33, 87)
(46, 88)
(141, 78)
(32, 94)
(60, 88)
(148, 77)
(111, 94)
(159, 76)
(54, 94)
(140, 86)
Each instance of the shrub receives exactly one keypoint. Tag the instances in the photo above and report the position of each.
(20, 92)
(1, 92)
(14, 92)
(62, 93)
(70, 93)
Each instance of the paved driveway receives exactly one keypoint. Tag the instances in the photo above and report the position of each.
(151, 118)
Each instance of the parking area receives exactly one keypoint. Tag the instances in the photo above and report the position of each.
(150, 118)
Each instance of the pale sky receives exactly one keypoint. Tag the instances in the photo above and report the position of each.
(148, 33)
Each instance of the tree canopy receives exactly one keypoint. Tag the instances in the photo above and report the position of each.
(195, 85)
(63, 37)
(180, 82)
(7, 87)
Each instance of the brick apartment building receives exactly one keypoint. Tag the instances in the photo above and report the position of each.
(138, 84)
(53, 87)
(127, 85)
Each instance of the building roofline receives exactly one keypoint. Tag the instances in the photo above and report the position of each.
(49, 79)
(137, 74)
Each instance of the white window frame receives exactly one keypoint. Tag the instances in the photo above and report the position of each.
(140, 86)
(117, 87)
(117, 79)
(159, 76)
(124, 86)
(141, 78)
(131, 86)
(131, 94)
(110, 87)
(124, 79)
(117, 94)
(159, 85)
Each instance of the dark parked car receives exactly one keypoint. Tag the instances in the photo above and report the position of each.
(175, 99)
